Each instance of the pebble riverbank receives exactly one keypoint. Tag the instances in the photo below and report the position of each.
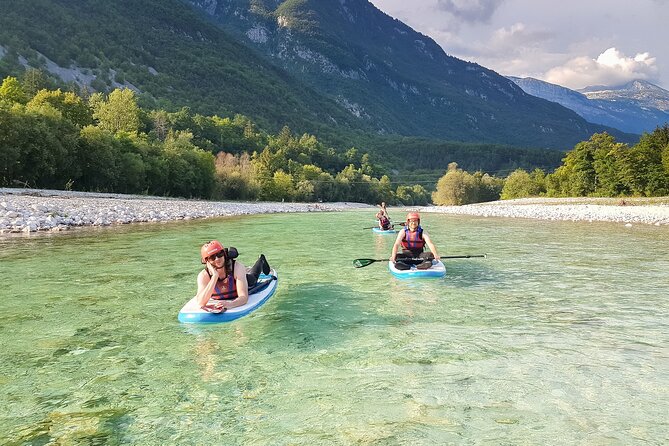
(628, 212)
(32, 210)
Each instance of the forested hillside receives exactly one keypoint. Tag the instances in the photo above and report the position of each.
(59, 140)
(55, 139)
(171, 57)
(210, 117)
(168, 54)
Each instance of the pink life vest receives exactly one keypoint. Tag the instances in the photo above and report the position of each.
(226, 289)
(413, 240)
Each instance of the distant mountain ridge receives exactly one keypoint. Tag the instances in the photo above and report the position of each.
(396, 79)
(635, 107)
(643, 92)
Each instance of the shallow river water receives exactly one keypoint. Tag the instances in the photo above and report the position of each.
(560, 336)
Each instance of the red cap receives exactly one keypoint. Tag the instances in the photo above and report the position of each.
(209, 249)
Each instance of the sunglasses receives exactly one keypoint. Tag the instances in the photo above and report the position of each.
(218, 255)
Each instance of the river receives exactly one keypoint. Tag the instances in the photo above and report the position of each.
(558, 337)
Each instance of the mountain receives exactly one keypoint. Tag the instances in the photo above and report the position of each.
(635, 107)
(342, 70)
(396, 79)
(167, 53)
(639, 91)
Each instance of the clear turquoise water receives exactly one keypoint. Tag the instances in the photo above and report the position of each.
(558, 337)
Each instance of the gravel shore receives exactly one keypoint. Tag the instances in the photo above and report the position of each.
(33, 210)
(652, 211)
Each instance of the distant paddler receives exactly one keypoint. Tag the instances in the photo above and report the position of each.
(383, 218)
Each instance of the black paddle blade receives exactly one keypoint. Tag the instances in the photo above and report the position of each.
(360, 263)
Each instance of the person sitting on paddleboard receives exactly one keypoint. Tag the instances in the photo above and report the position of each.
(413, 239)
(225, 278)
(382, 217)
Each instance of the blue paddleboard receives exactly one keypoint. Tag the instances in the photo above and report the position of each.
(436, 270)
(191, 313)
(384, 231)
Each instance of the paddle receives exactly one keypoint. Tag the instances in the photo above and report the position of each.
(361, 263)
(392, 224)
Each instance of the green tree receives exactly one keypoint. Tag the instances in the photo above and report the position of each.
(557, 183)
(280, 187)
(356, 185)
(36, 149)
(420, 195)
(12, 91)
(521, 184)
(69, 104)
(98, 158)
(412, 195)
(34, 80)
(160, 125)
(611, 167)
(649, 177)
(10, 148)
(119, 112)
(456, 187)
(490, 187)
(384, 189)
(191, 171)
(323, 184)
(131, 164)
(235, 177)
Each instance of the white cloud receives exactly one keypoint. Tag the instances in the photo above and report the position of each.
(518, 36)
(470, 10)
(538, 38)
(514, 50)
(516, 41)
(611, 67)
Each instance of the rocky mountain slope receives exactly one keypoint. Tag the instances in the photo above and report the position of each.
(396, 79)
(635, 107)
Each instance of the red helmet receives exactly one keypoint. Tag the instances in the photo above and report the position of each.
(209, 249)
(413, 215)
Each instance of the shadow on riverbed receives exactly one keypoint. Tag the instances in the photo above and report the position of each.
(310, 317)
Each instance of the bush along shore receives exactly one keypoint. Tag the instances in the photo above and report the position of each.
(29, 210)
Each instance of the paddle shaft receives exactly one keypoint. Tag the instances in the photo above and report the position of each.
(392, 225)
(361, 263)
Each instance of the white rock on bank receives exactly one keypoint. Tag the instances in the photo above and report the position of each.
(28, 210)
(647, 214)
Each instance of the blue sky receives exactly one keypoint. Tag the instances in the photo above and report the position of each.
(574, 43)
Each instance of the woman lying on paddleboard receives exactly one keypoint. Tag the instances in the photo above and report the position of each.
(225, 278)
